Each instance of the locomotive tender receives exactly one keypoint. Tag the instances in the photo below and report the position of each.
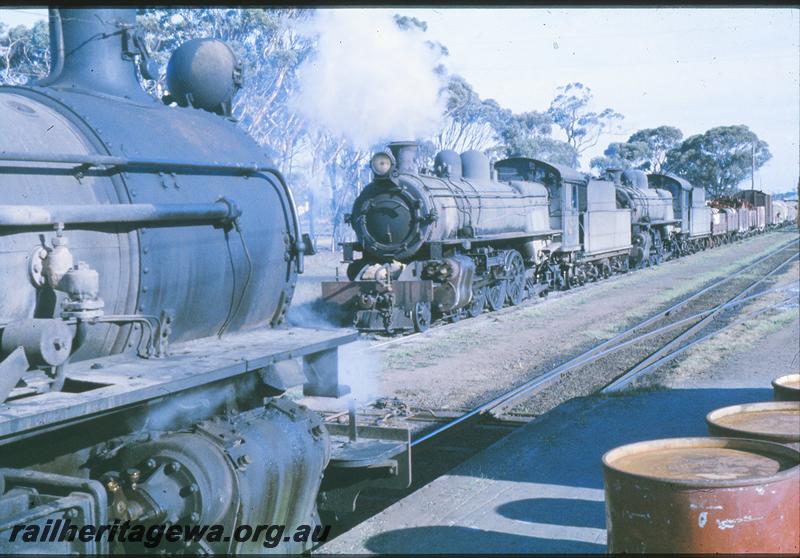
(145, 277)
(467, 235)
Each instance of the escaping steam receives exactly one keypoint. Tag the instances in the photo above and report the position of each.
(369, 81)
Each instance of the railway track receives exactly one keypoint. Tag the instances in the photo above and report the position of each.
(659, 325)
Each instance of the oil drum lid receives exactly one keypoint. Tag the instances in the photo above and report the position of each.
(789, 384)
(703, 462)
(776, 421)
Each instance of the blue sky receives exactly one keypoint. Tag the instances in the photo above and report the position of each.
(690, 68)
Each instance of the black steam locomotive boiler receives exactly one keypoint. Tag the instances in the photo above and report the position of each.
(148, 255)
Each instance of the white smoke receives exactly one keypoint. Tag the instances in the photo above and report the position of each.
(369, 81)
(360, 369)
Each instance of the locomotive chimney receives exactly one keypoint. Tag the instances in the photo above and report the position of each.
(93, 50)
(405, 154)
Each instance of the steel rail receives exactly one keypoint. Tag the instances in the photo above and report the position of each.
(671, 356)
(614, 344)
(510, 401)
(645, 365)
(538, 383)
(664, 313)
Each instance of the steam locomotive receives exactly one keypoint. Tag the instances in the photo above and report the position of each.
(145, 280)
(466, 235)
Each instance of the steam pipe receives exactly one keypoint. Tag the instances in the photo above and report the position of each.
(39, 215)
(134, 163)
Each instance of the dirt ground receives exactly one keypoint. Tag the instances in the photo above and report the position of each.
(461, 365)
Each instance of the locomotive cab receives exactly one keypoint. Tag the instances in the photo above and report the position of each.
(689, 204)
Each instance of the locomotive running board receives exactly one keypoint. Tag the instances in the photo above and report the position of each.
(113, 383)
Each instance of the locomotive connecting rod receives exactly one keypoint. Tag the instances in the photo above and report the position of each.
(42, 215)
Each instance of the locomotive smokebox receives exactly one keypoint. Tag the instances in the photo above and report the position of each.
(405, 153)
(93, 50)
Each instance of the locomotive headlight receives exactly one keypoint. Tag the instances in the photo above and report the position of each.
(381, 164)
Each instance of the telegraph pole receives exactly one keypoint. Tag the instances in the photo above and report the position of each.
(752, 167)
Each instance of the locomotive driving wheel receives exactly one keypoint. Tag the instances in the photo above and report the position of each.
(478, 303)
(515, 268)
(593, 273)
(496, 294)
(421, 316)
(578, 277)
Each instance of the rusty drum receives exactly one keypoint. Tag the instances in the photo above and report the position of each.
(703, 495)
(773, 421)
(786, 388)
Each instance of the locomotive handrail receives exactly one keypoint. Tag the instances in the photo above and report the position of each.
(135, 163)
(42, 215)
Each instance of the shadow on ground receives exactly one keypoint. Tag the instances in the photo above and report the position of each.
(545, 479)
(464, 540)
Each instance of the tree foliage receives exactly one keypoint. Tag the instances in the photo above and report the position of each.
(583, 127)
(24, 53)
(622, 156)
(529, 135)
(719, 159)
(658, 142)
(469, 121)
(482, 124)
(645, 150)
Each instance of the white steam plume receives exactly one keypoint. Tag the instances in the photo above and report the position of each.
(369, 81)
